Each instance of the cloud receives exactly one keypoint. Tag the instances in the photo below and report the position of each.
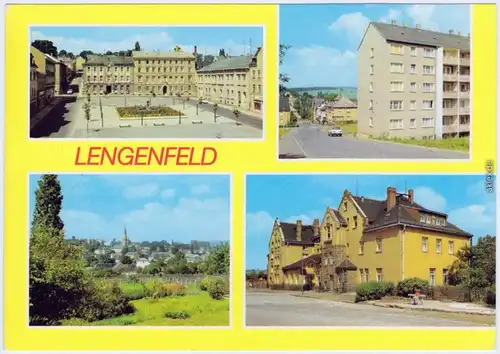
(423, 15)
(259, 223)
(306, 219)
(200, 189)
(353, 25)
(150, 41)
(392, 14)
(167, 193)
(147, 190)
(478, 219)
(189, 219)
(429, 198)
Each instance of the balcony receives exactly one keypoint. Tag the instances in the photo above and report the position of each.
(450, 94)
(450, 60)
(450, 128)
(464, 127)
(465, 61)
(450, 77)
(463, 110)
(465, 77)
(464, 94)
(450, 111)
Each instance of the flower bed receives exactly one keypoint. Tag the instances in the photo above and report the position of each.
(147, 112)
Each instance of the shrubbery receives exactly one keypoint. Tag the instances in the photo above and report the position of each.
(172, 290)
(216, 287)
(143, 111)
(204, 283)
(374, 290)
(490, 297)
(409, 285)
(180, 315)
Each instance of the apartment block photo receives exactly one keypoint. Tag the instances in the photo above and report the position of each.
(375, 81)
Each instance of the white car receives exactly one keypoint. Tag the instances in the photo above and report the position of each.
(70, 92)
(336, 131)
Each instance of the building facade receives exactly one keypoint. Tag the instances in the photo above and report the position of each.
(340, 111)
(33, 86)
(284, 108)
(234, 81)
(79, 61)
(164, 73)
(47, 74)
(366, 240)
(413, 83)
(108, 74)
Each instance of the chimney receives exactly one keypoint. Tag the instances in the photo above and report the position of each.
(459, 34)
(417, 26)
(410, 195)
(299, 230)
(391, 198)
(451, 31)
(195, 50)
(393, 22)
(316, 227)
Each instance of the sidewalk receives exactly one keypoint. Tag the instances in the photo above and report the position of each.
(438, 306)
(40, 115)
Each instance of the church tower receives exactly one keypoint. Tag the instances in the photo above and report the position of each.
(125, 240)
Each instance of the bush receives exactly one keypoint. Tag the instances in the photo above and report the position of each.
(217, 289)
(374, 290)
(204, 283)
(409, 285)
(104, 273)
(144, 111)
(172, 290)
(490, 297)
(180, 315)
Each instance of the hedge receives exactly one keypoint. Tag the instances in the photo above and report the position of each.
(409, 285)
(374, 290)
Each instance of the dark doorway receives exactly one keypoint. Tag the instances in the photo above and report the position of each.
(108, 89)
(164, 90)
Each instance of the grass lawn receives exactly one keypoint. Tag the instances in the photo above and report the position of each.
(459, 144)
(203, 311)
(349, 127)
(283, 131)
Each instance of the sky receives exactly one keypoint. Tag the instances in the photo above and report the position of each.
(152, 207)
(325, 37)
(306, 197)
(99, 39)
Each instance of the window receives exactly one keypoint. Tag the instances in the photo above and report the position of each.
(428, 87)
(451, 247)
(370, 121)
(427, 122)
(371, 104)
(396, 124)
(397, 68)
(413, 51)
(371, 86)
(379, 245)
(371, 52)
(361, 247)
(347, 222)
(413, 87)
(428, 104)
(367, 275)
(425, 241)
(380, 277)
(429, 52)
(345, 206)
(413, 69)
(396, 105)
(371, 69)
(432, 276)
(438, 245)
(413, 105)
(445, 276)
(397, 86)
(355, 221)
(361, 275)
(428, 70)
(397, 49)
(427, 219)
(413, 123)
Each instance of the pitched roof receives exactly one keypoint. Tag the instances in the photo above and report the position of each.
(301, 263)
(338, 216)
(290, 233)
(284, 104)
(342, 102)
(158, 55)
(401, 214)
(231, 63)
(108, 60)
(421, 36)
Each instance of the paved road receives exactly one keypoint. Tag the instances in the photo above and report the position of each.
(265, 309)
(312, 141)
(60, 122)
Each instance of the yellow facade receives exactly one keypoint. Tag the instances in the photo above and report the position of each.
(340, 115)
(79, 61)
(284, 118)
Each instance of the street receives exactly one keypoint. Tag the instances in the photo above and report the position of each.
(312, 141)
(280, 309)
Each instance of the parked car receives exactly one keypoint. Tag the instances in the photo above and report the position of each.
(335, 131)
(70, 92)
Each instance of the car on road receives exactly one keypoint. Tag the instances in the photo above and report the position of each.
(335, 131)
(70, 92)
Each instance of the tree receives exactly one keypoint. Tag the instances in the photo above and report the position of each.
(45, 46)
(137, 46)
(218, 262)
(109, 52)
(85, 53)
(63, 53)
(222, 52)
(126, 260)
(86, 109)
(283, 78)
(48, 204)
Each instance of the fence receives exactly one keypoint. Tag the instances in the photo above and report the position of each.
(184, 279)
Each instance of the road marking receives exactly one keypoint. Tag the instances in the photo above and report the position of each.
(300, 147)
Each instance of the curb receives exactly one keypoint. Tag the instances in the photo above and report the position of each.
(430, 309)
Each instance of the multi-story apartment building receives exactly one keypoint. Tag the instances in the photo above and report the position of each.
(165, 73)
(47, 68)
(365, 240)
(413, 83)
(108, 74)
(61, 76)
(234, 81)
(33, 86)
(342, 110)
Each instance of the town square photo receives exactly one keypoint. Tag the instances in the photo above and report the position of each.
(370, 250)
(375, 81)
(129, 250)
(146, 82)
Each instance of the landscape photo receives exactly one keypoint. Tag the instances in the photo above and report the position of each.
(375, 81)
(370, 251)
(129, 250)
(146, 82)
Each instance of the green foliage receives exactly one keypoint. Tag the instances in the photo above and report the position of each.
(283, 78)
(374, 290)
(179, 315)
(460, 144)
(204, 283)
(217, 289)
(490, 297)
(48, 203)
(127, 260)
(255, 275)
(219, 261)
(144, 111)
(408, 286)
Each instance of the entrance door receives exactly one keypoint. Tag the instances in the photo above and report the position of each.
(164, 90)
(239, 98)
(108, 89)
